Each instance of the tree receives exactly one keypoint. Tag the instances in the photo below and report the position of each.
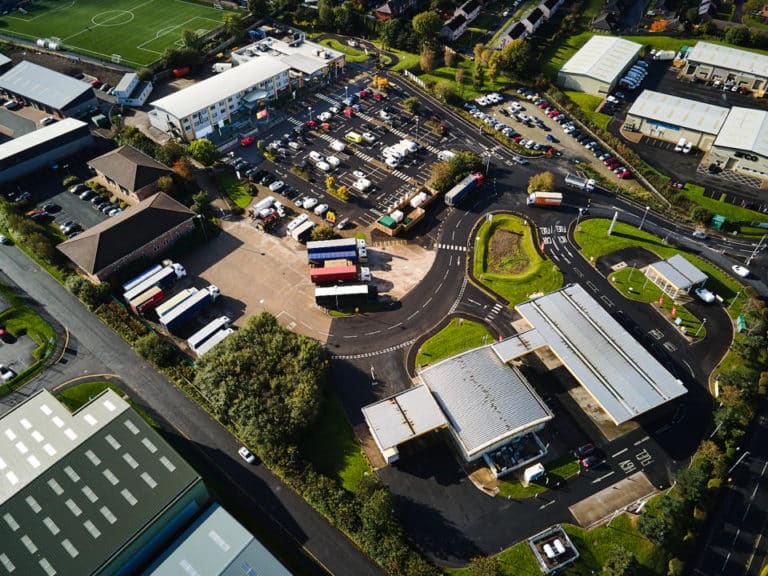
(204, 151)
(478, 76)
(709, 28)
(92, 295)
(325, 13)
(692, 15)
(330, 184)
(388, 33)
(494, 61)
(233, 25)
(485, 566)
(190, 39)
(412, 105)
(742, 378)
(323, 233)
(692, 483)
(201, 203)
(541, 182)
(459, 78)
(479, 52)
(656, 528)
(515, 59)
(700, 215)
(267, 382)
(445, 91)
(738, 35)
(156, 349)
(170, 152)
(342, 193)
(427, 59)
(426, 26)
(449, 56)
(620, 562)
(259, 8)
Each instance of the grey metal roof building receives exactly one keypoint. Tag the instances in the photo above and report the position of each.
(47, 89)
(217, 545)
(621, 376)
(598, 65)
(674, 275)
(487, 402)
(402, 417)
(89, 492)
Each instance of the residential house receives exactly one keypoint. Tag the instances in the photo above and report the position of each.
(394, 9)
(550, 7)
(533, 20)
(454, 28)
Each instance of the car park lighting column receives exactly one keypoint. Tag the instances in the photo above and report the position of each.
(644, 215)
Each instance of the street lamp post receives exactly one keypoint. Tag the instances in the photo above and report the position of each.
(417, 128)
(346, 92)
(578, 218)
(703, 322)
(644, 215)
(310, 112)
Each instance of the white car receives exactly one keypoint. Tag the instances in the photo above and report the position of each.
(358, 174)
(325, 116)
(4, 240)
(368, 137)
(384, 115)
(705, 295)
(333, 110)
(324, 166)
(316, 156)
(6, 374)
(309, 203)
(276, 185)
(361, 184)
(321, 209)
(246, 455)
(699, 234)
(392, 162)
(740, 270)
(333, 161)
(687, 148)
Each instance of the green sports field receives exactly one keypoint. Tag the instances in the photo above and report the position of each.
(138, 31)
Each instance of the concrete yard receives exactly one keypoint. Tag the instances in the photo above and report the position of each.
(599, 506)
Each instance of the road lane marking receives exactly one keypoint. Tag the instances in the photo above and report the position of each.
(642, 440)
(619, 453)
(603, 477)
(372, 333)
(426, 303)
(547, 504)
(395, 326)
(412, 315)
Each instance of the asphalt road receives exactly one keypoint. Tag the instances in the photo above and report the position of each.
(251, 493)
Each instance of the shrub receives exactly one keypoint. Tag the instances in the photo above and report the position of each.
(121, 321)
(92, 295)
(156, 350)
(70, 181)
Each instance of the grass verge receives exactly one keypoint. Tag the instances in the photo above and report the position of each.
(588, 104)
(77, 396)
(695, 193)
(593, 240)
(237, 191)
(459, 336)
(533, 274)
(332, 447)
(352, 54)
(560, 469)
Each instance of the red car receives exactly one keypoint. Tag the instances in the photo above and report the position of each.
(364, 93)
(624, 175)
(348, 112)
(554, 113)
(325, 126)
(312, 123)
(378, 96)
(247, 141)
(95, 82)
(35, 212)
(518, 138)
(543, 104)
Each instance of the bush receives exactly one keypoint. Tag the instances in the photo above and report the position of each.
(121, 321)
(92, 295)
(70, 181)
(156, 350)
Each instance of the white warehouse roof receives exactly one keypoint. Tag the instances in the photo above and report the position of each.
(221, 86)
(682, 112)
(402, 417)
(44, 85)
(745, 129)
(679, 272)
(39, 136)
(729, 58)
(602, 58)
(486, 401)
(622, 377)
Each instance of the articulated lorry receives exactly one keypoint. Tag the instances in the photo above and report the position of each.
(180, 314)
(585, 184)
(146, 301)
(301, 233)
(165, 277)
(206, 333)
(339, 274)
(463, 188)
(212, 341)
(320, 251)
(174, 301)
(544, 199)
(345, 295)
(135, 281)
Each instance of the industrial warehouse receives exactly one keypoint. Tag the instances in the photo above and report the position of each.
(486, 403)
(598, 65)
(741, 68)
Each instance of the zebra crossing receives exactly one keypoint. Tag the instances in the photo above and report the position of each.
(493, 313)
(376, 353)
(456, 247)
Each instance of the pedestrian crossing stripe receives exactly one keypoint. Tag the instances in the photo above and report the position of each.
(376, 353)
(452, 247)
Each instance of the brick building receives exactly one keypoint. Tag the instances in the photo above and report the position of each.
(129, 173)
(143, 231)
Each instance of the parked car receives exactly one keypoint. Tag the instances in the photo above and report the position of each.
(78, 188)
(276, 186)
(247, 141)
(48, 120)
(321, 209)
(705, 295)
(246, 455)
(4, 240)
(583, 451)
(740, 270)
(87, 195)
(6, 374)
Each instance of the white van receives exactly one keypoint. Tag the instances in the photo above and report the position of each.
(333, 161)
(316, 156)
(680, 145)
(296, 222)
(409, 146)
(445, 155)
(338, 146)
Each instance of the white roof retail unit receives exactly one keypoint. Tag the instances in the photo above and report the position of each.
(486, 401)
(729, 58)
(680, 112)
(745, 129)
(302, 55)
(402, 417)
(622, 377)
(676, 273)
(602, 58)
(221, 86)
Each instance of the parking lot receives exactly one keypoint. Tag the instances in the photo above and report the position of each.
(358, 159)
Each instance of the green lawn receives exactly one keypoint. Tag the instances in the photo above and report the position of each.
(560, 53)
(539, 275)
(77, 396)
(407, 60)
(695, 193)
(560, 469)
(467, 91)
(238, 191)
(588, 104)
(352, 54)
(592, 237)
(331, 445)
(646, 291)
(459, 336)
(138, 31)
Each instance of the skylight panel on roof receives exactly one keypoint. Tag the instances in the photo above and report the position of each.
(90, 419)
(26, 424)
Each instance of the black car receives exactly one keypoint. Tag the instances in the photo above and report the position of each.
(583, 451)
(78, 188)
(51, 207)
(267, 179)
